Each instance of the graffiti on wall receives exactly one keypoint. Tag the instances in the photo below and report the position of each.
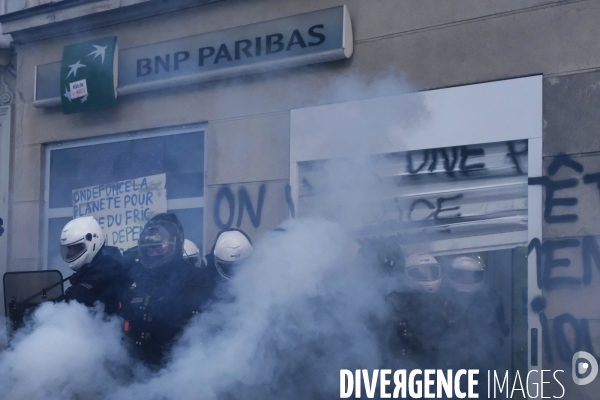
(458, 159)
(230, 207)
(554, 336)
(408, 190)
(563, 335)
(558, 193)
(244, 204)
(462, 160)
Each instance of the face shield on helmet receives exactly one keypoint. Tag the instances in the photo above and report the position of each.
(72, 252)
(191, 253)
(231, 249)
(424, 272)
(467, 273)
(80, 240)
(160, 243)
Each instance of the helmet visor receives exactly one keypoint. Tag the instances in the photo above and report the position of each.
(466, 277)
(156, 247)
(425, 273)
(193, 261)
(71, 252)
(226, 268)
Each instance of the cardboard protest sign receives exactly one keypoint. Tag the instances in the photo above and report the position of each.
(122, 208)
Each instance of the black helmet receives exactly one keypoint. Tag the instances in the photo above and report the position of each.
(161, 241)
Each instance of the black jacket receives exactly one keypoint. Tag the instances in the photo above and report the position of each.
(101, 280)
(157, 305)
(448, 329)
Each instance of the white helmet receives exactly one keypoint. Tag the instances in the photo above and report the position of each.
(231, 247)
(424, 272)
(81, 239)
(191, 253)
(467, 273)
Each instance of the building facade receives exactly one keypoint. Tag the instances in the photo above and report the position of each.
(478, 117)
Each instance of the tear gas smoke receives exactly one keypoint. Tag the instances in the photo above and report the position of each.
(65, 351)
(301, 308)
(299, 311)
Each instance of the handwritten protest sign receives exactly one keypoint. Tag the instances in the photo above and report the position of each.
(122, 208)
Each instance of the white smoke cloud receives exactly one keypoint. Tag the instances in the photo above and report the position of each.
(300, 310)
(65, 351)
(297, 312)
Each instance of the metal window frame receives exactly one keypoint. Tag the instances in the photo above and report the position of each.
(5, 178)
(534, 230)
(174, 204)
(303, 122)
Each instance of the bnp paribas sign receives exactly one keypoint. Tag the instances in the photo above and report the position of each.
(314, 37)
(88, 75)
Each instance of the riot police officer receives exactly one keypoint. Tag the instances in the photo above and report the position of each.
(191, 253)
(165, 291)
(231, 249)
(99, 274)
(480, 327)
(420, 312)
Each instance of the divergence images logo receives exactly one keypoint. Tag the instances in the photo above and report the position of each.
(580, 367)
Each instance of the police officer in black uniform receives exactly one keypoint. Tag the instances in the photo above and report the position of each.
(99, 274)
(479, 327)
(419, 312)
(164, 291)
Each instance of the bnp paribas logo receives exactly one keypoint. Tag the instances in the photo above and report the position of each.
(88, 75)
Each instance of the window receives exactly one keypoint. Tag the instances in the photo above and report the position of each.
(442, 173)
(464, 205)
(432, 200)
(178, 153)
